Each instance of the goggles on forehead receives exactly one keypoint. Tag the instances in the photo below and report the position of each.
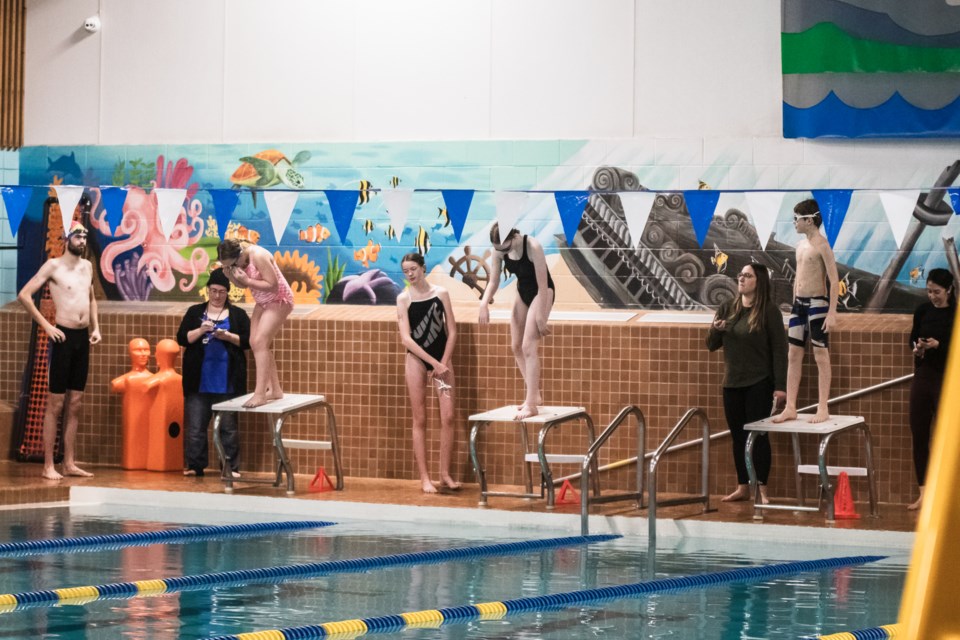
(809, 215)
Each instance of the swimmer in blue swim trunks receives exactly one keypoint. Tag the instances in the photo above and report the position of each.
(814, 312)
(523, 257)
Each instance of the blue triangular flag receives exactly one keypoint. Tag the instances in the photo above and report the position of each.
(833, 205)
(343, 204)
(458, 204)
(224, 203)
(701, 204)
(16, 200)
(571, 204)
(113, 199)
(955, 199)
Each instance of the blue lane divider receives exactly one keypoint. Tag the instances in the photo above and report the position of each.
(206, 581)
(142, 538)
(495, 610)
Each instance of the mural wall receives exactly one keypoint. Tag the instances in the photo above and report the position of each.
(677, 259)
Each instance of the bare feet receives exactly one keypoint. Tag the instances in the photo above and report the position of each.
(428, 487)
(822, 415)
(742, 493)
(74, 470)
(50, 473)
(763, 495)
(255, 401)
(451, 484)
(787, 414)
(271, 396)
(919, 503)
(524, 412)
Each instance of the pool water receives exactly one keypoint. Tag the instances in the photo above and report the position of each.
(787, 607)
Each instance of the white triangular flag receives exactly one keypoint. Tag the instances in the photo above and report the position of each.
(899, 206)
(764, 209)
(636, 209)
(280, 206)
(509, 205)
(169, 205)
(68, 196)
(398, 207)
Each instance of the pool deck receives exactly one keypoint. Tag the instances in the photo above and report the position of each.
(402, 500)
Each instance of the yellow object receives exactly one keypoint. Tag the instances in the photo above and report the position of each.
(928, 610)
(150, 586)
(430, 618)
(492, 610)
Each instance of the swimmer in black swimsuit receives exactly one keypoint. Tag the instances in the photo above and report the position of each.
(523, 257)
(429, 333)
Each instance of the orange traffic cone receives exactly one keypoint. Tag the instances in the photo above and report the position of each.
(563, 498)
(843, 507)
(321, 482)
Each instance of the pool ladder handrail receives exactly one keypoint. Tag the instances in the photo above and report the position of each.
(703, 497)
(589, 461)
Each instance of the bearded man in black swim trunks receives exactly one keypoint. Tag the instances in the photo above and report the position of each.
(71, 287)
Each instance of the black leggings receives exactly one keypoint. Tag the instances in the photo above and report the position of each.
(749, 404)
(924, 398)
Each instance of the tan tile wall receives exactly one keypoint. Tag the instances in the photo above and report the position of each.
(353, 356)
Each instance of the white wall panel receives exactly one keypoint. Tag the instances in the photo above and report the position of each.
(162, 71)
(423, 70)
(562, 69)
(289, 70)
(708, 68)
(62, 74)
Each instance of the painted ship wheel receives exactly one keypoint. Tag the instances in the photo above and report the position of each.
(473, 269)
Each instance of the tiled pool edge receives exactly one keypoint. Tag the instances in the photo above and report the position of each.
(554, 522)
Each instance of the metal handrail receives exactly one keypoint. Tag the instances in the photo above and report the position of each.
(589, 461)
(725, 434)
(704, 497)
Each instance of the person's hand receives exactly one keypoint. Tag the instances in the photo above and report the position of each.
(55, 334)
(928, 343)
(484, 317)
(221, 334)
(239, 276)
(719, 324)
(440, 370)
(542, 325)
(208, 326)
(830, 321)
(779, 401)
(95, 336)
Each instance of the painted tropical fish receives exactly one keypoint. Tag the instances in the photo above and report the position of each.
(847, 293)
(391, 233)
(916, 274)
(422, 242)
(703, 186)
(315, 233)
(394, 181)
(445, 216)
(365, 186)
(240, 232)
(368, 254)
(367, 227)
(719, 259)
(268, 168)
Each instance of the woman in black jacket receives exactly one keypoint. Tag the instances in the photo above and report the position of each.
(930, 339)
(215, 335)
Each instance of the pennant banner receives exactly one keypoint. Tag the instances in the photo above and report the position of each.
(764, 209)
(571, 204)
(16, 199)
(280, 206)
(955, 199)
(169, 204)
(398, 207)
(458, 204)
(225, 202)
(68, 197)
(343, 204)
(636, 209)
(898, 207)
(113, 200)
(701, 205)
(833, 209)
(509, 206)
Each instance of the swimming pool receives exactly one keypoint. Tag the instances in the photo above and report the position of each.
(786, 607)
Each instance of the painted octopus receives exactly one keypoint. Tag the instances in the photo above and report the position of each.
(140, 230)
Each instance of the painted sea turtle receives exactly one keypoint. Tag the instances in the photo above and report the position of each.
(269, 168)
